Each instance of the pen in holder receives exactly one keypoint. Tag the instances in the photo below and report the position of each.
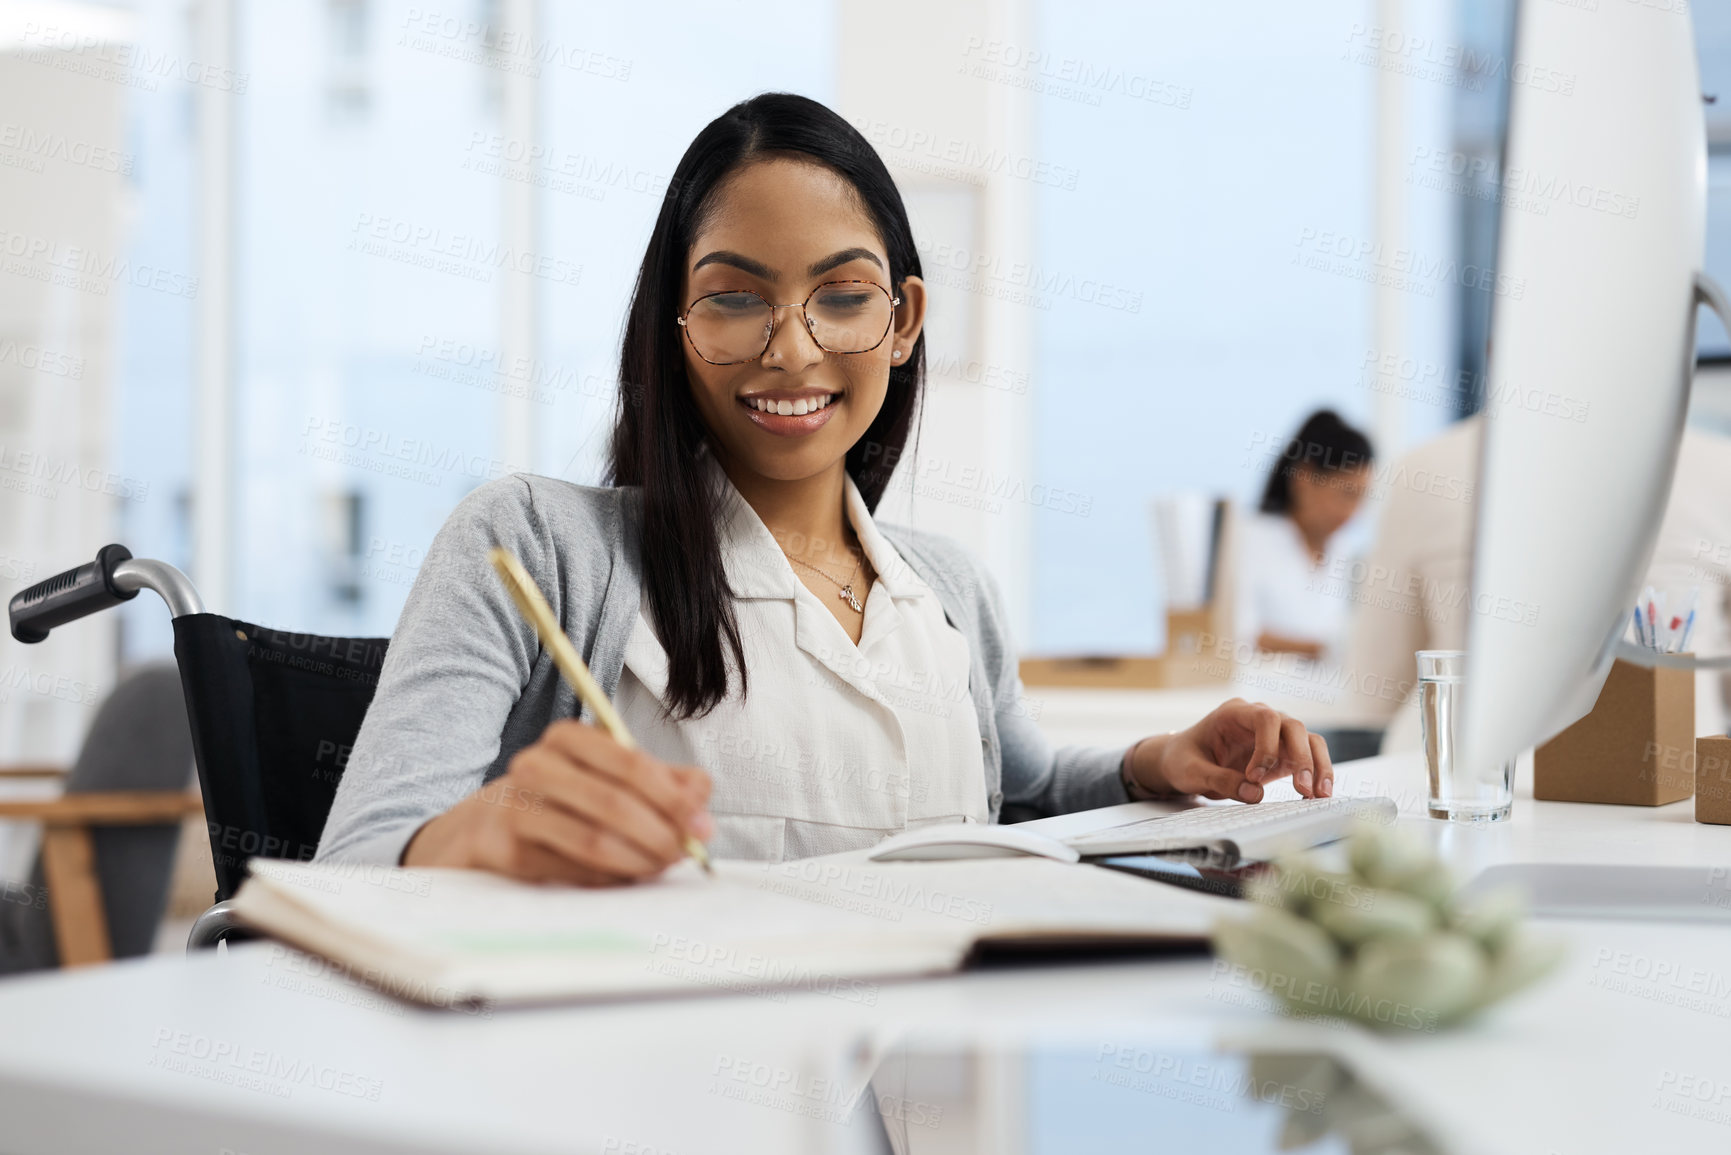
(1636, 747)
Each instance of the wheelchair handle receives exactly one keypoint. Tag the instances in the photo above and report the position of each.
(68, 596)
(114, 577)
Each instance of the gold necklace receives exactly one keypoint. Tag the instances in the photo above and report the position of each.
(847, 595)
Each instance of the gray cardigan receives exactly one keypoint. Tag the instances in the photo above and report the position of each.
(466, 684)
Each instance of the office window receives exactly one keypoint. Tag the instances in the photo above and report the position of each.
(342, 540)
(151, 415)
(1171, 189)
(369, 248)
(348, 92)
(1713, 46)
(1205, 164)
(490, 14)
(621, 98)
(1472, 180)
(360, 253)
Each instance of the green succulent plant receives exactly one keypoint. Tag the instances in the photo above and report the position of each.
(1388, 942)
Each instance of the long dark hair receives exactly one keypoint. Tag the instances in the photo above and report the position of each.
(1323, 444)
(659, 433)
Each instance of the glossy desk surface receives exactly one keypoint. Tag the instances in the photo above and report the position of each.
(1628, 1048)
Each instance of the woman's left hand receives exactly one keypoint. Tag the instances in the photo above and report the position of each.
(1233, 753)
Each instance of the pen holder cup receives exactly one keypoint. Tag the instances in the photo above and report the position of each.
(1713, 780)
(1635, 748)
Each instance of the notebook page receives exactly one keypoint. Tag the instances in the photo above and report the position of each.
(809, 924)
(996, 896)
(475, 934)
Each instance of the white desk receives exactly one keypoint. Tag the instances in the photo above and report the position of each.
(88, 1062)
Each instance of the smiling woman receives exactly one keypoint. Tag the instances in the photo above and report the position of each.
(780, 406)
(801, 679)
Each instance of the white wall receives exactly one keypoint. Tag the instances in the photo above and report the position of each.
(63, 270)
(955, 146)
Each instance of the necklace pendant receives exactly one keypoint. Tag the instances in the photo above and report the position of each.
(847, 595)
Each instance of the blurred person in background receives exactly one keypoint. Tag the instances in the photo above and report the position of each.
(1287, 600)
(1421, 562)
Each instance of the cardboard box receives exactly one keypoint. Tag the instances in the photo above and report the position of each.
(1635, 748)
(1713, 780)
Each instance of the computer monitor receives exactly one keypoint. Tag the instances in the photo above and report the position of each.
(1591, 355)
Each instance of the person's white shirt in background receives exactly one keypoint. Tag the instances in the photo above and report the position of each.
(1417, 589)
(1283, 589)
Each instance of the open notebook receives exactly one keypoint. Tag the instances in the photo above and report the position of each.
(447, 937)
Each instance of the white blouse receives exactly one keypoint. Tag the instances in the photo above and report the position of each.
(834, 746)
(1283, 590)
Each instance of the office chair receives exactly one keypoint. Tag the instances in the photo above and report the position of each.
(273, 714)
(100, 882)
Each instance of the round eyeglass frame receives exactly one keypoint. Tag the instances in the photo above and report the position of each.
(680, 320)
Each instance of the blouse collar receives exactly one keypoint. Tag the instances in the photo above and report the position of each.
(756, 566)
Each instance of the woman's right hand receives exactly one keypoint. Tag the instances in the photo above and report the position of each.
(574, 807)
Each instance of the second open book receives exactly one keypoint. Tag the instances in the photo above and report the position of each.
(447, 937)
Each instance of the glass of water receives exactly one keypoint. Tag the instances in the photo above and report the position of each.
(1458, 792)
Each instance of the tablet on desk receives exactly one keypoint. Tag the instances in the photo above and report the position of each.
(1186, 871)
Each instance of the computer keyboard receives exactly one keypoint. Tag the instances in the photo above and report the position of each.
(1239, 831)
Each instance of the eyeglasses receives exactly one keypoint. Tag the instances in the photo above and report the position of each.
(734, 327)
